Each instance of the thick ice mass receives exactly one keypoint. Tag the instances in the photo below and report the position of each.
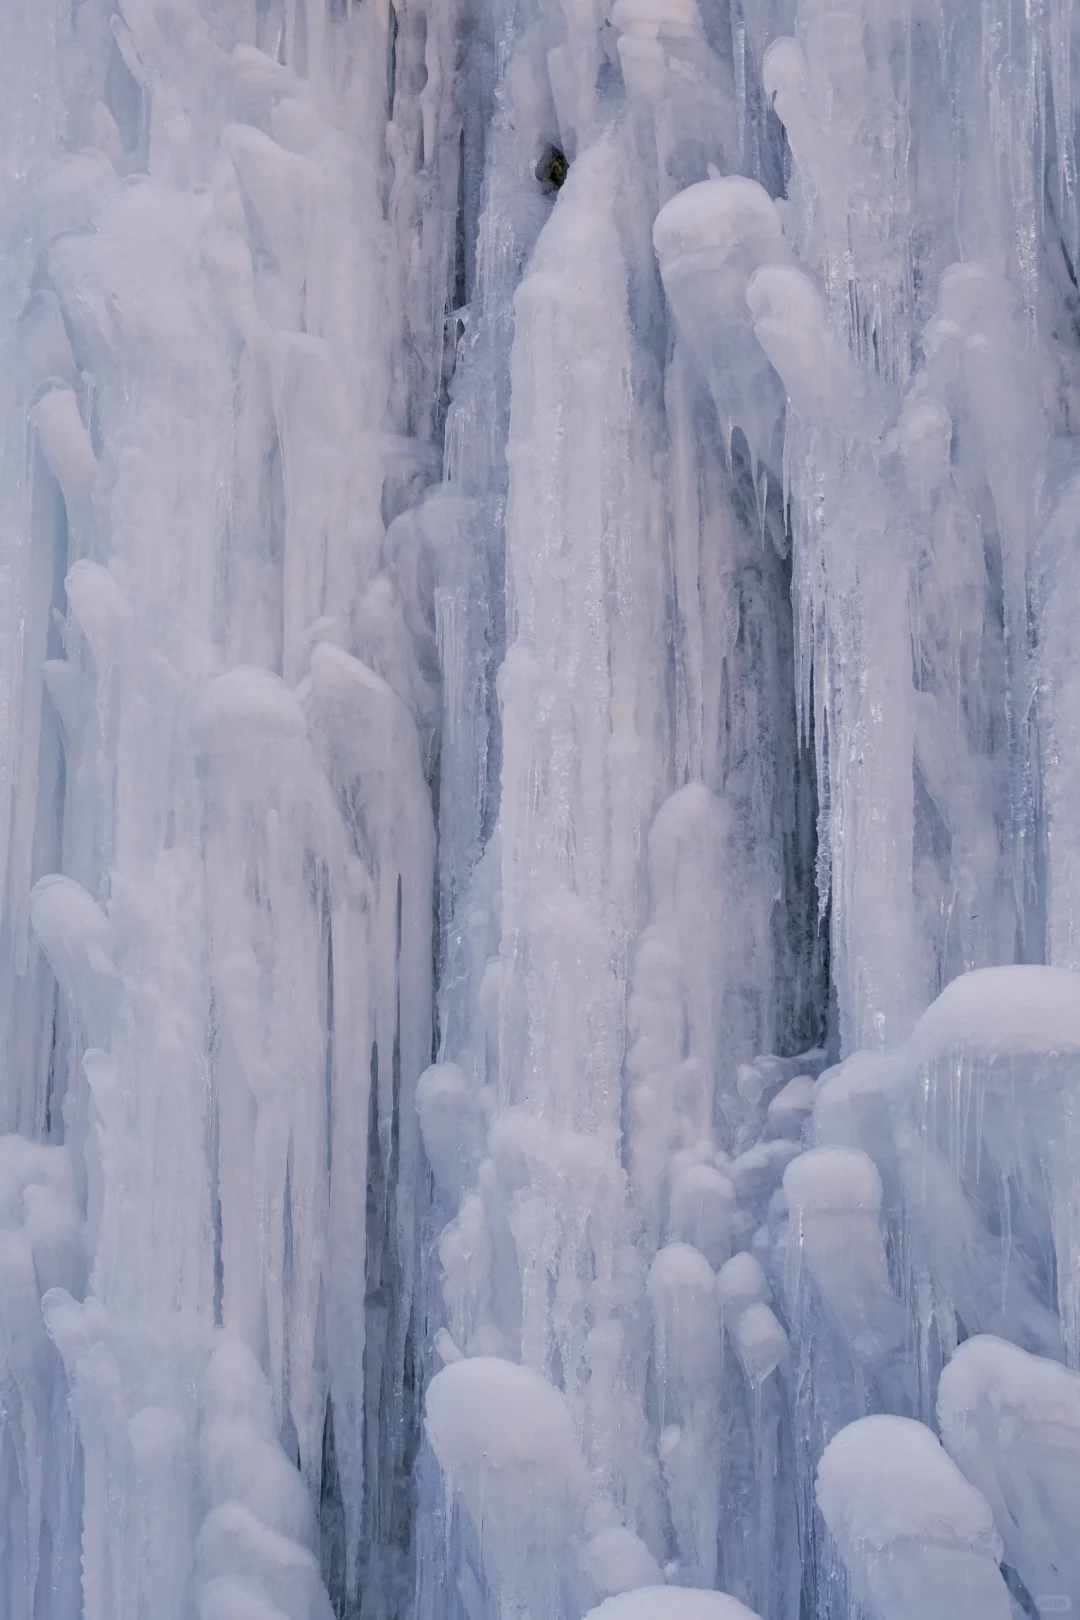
(914, 1535)
(539, 766)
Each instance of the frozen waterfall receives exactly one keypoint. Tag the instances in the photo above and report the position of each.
(539, 810)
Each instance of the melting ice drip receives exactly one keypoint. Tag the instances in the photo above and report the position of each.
(594, 630)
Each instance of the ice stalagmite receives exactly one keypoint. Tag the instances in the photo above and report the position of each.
(539, 754)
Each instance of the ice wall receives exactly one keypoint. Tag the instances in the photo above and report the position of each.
(843, 746)
(217, 823)
(539, 752)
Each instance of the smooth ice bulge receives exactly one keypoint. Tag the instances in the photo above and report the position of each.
(539, 762)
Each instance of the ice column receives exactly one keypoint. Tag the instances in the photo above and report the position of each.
(219, 854)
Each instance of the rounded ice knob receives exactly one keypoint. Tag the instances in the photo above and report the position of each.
(654, 17)
(1011, 1420)
(725, 224)
(829, 1180)
(506, 1443)
(489, 1417)
(742, 1282)
(709, 241)
(789, 321)
(642, 25)
(785, 76)
(783, 69)
(616, 1560)
(671, 1603)
(75, 935)
(702, 1210)
(915, 1537)
(924, 435)
(242, 704)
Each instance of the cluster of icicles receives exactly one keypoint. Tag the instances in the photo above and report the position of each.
(863, 1328)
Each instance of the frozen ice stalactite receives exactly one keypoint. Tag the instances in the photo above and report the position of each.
(1010, 1421)
(928, 1210)
(506, 1443)
(915, 1537)
(710, 240)
(666, 1603)
(969, 1124)
(191, 1505)
(834, 1197)
(40, 1248)
(846, 356)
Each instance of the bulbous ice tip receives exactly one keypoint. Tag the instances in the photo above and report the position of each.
(702, 1211)
(922, 420)
(68, 920)
(830, 1179)
(259, 79)
(235, 1388)
(335, 671)
(886, 1479)
(725, 218)
(785, 296)
(1004, 1010)
(741, 1282)
(680, 1269)
(616, 1560)
(234, 1597)
(760, 1341)
(63, 438)
(792, 1105)
(986, 1372)
(690, 819)
(98, 604)
(671, 1603)
(242, 704)
(789, 319)
(924, 437)
(783, 70)
(73, 1326)
(296, 125)
(487, 1413)
(969, 292)
(650, 18)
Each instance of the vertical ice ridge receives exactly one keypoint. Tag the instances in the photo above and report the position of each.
(234, 810)
(854, 337)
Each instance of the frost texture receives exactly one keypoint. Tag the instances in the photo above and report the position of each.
(539, 765)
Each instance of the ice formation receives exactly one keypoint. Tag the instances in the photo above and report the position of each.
(539, 775)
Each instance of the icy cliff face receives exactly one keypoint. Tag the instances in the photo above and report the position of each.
(539, 781)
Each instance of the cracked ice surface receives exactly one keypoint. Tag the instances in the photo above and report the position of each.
(539, 765)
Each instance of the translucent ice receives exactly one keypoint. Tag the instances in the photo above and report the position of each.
(539, 754)
(914, 1536)
(1011, 1420)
